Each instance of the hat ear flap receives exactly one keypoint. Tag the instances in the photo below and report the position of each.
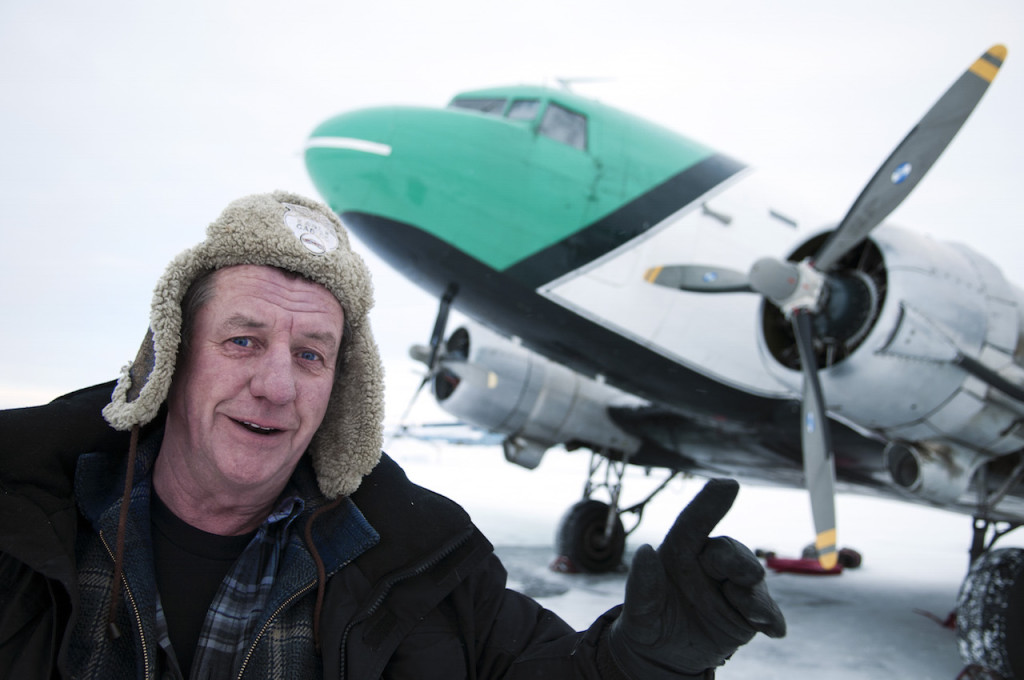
(348, 444)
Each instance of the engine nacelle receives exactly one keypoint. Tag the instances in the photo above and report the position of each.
(904, 308)
(941, 473)
(494, 383)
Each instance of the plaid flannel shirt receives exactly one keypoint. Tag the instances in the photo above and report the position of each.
(239, 607)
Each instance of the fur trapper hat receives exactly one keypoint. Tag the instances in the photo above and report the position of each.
(294, 233)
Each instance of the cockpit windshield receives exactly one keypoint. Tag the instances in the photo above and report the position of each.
(523, 109)
(492, 106)
(557, 122)
(565, 126)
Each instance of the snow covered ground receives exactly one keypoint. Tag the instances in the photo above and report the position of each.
(877, 621)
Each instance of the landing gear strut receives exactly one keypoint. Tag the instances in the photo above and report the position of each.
(591, 537)
(980, 541)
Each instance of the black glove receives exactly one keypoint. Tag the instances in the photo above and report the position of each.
(690, 604)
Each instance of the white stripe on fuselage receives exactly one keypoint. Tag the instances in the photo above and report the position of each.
(349, 143)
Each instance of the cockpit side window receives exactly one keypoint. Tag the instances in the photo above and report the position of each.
(491, 106)
(523, 109)
(565, 126)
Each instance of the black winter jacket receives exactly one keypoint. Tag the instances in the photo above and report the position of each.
(429, 601)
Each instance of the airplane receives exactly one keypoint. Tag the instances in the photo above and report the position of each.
(620, 305)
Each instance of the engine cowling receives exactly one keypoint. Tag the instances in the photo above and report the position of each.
(902, 308)
(489, 381)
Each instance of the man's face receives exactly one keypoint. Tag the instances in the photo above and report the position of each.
(253, 387)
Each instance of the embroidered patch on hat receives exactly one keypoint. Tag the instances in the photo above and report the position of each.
(311, 229)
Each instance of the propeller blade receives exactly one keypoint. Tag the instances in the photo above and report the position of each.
(429, 355)
(819, 464)
(914, 156)
(405, 414)
(440, 323)
(699, 278)
(415, 395)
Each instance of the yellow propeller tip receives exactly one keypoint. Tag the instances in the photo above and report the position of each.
(651, 274)
(998, 51)
(825, 543)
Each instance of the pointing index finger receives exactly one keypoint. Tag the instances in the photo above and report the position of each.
(700, 517)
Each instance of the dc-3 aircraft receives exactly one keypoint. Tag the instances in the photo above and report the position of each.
(592, 246)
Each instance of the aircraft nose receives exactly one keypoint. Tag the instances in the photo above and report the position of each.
(443, 174)
(365, 131)
(374, 161)
(344, 153)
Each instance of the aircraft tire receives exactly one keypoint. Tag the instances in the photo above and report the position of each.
(990, 613)
(581, 538)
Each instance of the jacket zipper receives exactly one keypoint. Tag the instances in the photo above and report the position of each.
(135, 608)
(266, 624)
(284, 605)
(389, 584)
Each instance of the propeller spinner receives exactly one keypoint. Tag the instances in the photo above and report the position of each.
(801, 290)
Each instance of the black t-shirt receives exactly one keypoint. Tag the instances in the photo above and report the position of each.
(190, 565)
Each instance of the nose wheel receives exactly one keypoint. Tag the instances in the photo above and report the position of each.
(584, 542)
(591, 537)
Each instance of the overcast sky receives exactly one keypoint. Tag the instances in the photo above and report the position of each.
(126, 127)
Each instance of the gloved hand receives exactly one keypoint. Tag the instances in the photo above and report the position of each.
(690, 604)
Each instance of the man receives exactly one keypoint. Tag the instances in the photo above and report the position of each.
(249, 526)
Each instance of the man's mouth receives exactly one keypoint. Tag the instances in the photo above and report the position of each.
(258, 429)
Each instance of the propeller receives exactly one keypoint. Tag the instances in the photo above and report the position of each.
(430, 354)
(801, 290)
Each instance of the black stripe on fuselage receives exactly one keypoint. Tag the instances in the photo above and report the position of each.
(624, 224)
(508, 305)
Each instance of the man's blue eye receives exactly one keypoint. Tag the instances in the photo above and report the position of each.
(242, 342)
(309, 356)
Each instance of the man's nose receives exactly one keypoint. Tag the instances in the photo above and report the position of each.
(274, 378)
